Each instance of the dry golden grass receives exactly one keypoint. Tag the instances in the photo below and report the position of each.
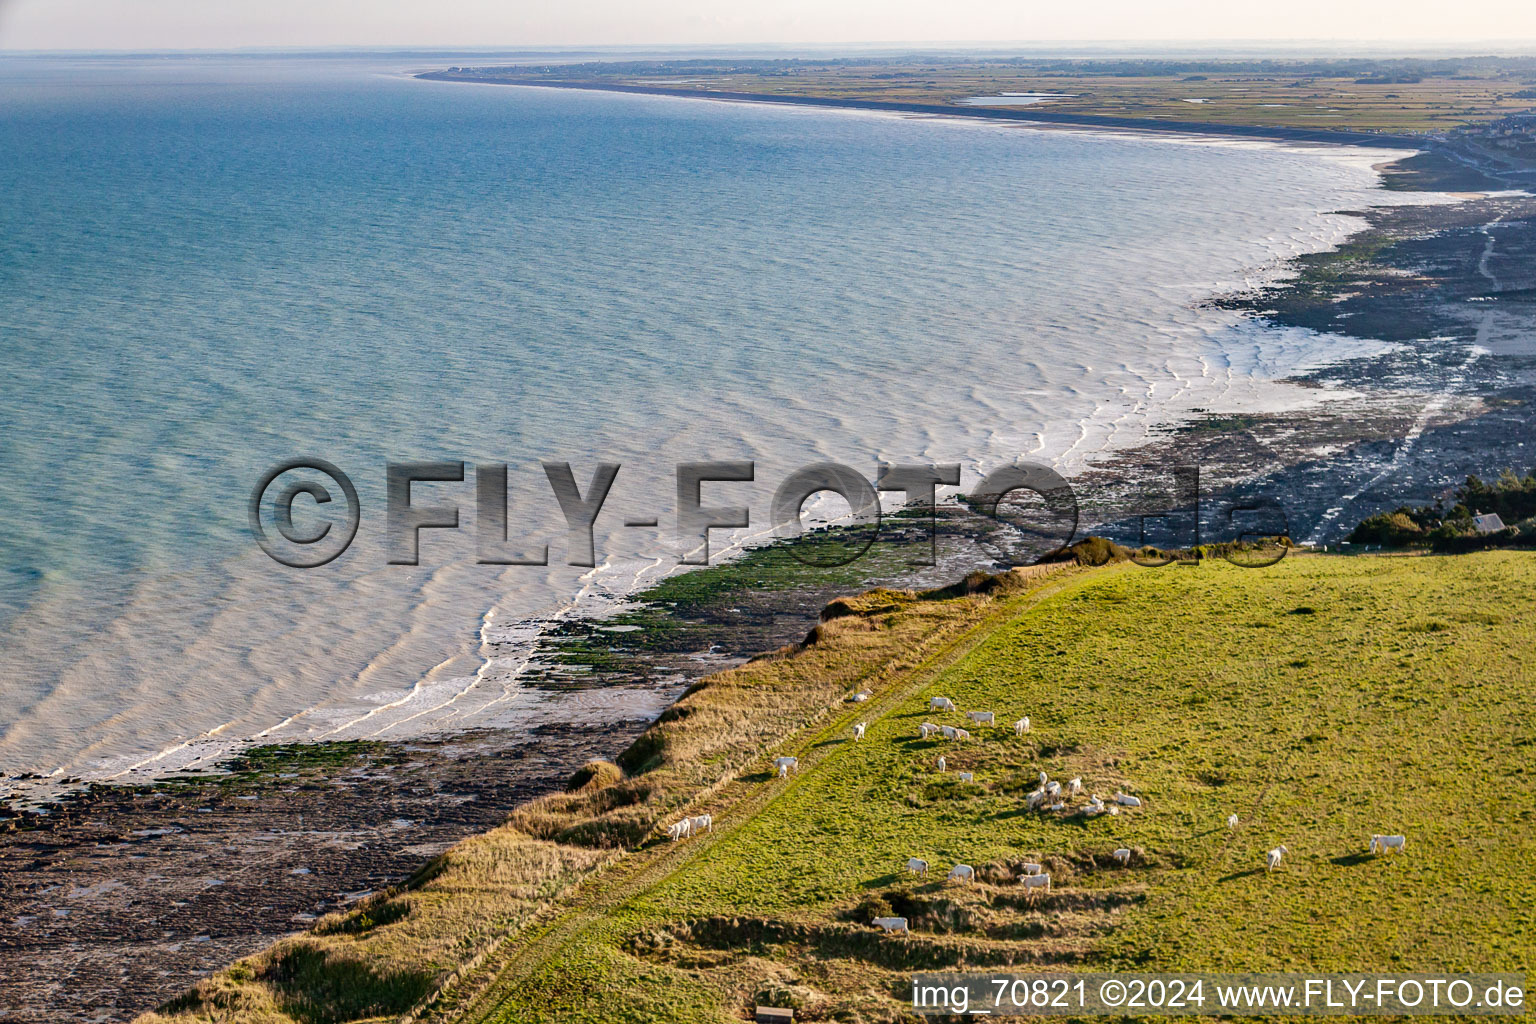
(387, 955)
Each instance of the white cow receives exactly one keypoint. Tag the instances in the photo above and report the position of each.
(1033, 882)
(1387, 844)
(1231, 821)
(948, 731)
(960, 734)
(1032, 869)
(785, 765)
(1074, 786)
(1122, 855)
(926, 729)
(982, 717)
(917, 866)
(681, 830)
(861, 697)
(1058, 806)
(963, 872)
(1126, 801)
(858, 732)
(1272, 858)
(1044, 778)
(1035, 798)
(702, 823)
(1053, 789)
(891, 924)
(943, 765)
(967, 777)
(1021, 726)
(941, 704)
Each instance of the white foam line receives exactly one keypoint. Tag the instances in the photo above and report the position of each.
(415, 689)
(509, 690)
(589, 579)
(287, 721)
(163, 754)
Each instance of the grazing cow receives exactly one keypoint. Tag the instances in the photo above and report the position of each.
(982, 717)
(1032, 869)
(1231, 821)
(1035, 798)
(941, 704)
(1126, 801)
(858, 732)
(943, 765)
(1387, 844)
(967, 777)
(963, 872)
(960, 734)
(1034, 882)
(702, 823)
(917, 866)
(1272, 858)
(891, 924)
(1021, 726)
(1074, 786)
(681, 830)
(948, 731)
(785, 765)
(1122, 855)
(926, 729)
(1053, 789)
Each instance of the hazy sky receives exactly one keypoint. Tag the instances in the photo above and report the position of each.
(179, 24)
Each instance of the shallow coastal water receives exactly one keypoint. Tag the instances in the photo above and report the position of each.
(1014, 99)
(207, 268)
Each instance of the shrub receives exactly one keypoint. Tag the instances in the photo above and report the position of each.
(595, 775)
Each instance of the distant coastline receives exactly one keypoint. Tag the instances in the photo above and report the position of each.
(1270, 133)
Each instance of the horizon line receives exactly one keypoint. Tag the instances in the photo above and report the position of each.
(1406, 47)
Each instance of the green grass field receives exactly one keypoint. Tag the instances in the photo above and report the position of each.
(1321, 700)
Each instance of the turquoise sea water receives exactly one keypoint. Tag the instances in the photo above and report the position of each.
(209, 266)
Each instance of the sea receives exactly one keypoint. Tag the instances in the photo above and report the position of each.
(211, 265)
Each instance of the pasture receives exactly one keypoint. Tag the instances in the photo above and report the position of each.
(1321, 700)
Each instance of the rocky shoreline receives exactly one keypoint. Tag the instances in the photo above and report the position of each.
(124, 896)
